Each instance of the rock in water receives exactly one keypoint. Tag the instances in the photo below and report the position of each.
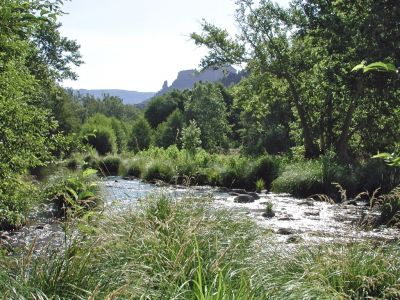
(254, 195)
(244, 198)
(285, 231)
(239, 191)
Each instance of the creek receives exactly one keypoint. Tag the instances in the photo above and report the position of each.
(294, 220)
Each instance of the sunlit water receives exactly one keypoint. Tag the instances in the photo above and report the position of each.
(308, 221)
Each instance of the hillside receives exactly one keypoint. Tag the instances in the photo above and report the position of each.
(129, 97)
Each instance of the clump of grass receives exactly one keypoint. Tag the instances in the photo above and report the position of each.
(359, 271)
(110, 165)
(389, 208)
(269, 211)
(300, 179)
(260, 185)
(158, 170)
(267, 168)
(165, 249)
(135, 168)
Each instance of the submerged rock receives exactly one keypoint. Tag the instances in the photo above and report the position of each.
(313, 213)
(285, 231)
(306, 203)
(244, 198)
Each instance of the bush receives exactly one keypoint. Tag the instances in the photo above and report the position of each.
(110, 165)
(300, 179)
(140, 137)
(101, 138)
(16, 199)
(266, 168)
(158, 170)
(73, 193)
(135, 168)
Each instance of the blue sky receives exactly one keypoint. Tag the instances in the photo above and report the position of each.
(137, 44)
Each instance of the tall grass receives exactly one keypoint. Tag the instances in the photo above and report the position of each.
(167, 249)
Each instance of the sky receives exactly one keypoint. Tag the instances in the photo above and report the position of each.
(137, 44)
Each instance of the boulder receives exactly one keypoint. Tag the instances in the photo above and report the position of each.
(268, 214)
(244, 198)
(254, 195)
(239, 191)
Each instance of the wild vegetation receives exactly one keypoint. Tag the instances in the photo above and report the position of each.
(317, 110)
(168, 249)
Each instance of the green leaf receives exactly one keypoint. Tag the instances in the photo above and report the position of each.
(382, 155)
(358, 67)
(85, 195)
(89, 172)
(73, 193)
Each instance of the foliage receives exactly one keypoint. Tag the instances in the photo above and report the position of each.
(158, 170)
(17, 198)
(301, 58)
(110, 165)
(140, 137)
(208, 109)
(191, 137)
(168, 133)
(33, 58)
(73, 193)
(100, 137)
(160, 108)
(188, 250)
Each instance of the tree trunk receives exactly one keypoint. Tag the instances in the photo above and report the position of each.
(343, 141)
(311, 149)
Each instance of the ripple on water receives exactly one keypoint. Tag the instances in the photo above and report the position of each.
(315, 222)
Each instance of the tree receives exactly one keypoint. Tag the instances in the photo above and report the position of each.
(208, 109)
(140, 137)
(311, 47)
(160, 107)
(265, 45)
(168, 132)
(32, 59)
(99, 133)
(191, 137)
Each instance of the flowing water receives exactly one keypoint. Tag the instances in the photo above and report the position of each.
(294, 220)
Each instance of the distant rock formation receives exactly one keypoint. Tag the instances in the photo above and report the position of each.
(187, 78)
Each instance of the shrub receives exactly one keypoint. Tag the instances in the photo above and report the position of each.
(91, 160)
(135, 168)
(16, 199)
(300, 179)
(140, 137)
(100, 137)
(73, 193)
(158, 170)
(110, 165)
(267, 168)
